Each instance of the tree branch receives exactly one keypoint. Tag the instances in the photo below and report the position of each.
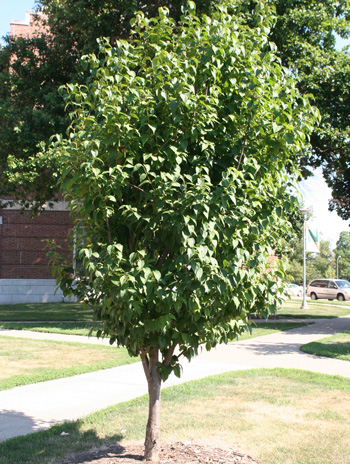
(169, 354)
(135, 186)
(145, 364)
(243, 145)
(164, 255)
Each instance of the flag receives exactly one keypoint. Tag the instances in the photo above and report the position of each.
(312, 239)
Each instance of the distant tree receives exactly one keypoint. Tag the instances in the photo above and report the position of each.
(295, 261)
(31, 110)
(304, 35)
(318, 265)
(295, 249)
(330, 83)
(176, 170)
(321, 264)
(343, 250)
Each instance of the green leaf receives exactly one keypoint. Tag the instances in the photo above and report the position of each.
(174, 104)
(185, 97)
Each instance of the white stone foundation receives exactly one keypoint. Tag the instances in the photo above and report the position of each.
(30, 291)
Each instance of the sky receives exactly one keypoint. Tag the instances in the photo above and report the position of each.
(315, 192)
(316, 195)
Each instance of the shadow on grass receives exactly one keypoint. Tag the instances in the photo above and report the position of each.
(57, 444)
(74, 328)
(46, 312)
(286, 315)
(340, 350)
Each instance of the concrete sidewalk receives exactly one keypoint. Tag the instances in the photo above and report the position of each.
(33, 407)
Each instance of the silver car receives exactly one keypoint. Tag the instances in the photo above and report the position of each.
(329, 289)
(295, 290)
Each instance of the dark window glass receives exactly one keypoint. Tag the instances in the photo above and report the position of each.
(316, 283)
(343, 283)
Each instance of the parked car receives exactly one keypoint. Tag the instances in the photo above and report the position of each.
(295, 290)
(329, 289)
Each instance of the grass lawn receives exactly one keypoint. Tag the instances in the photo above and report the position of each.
(45, 312)
(317, 310)
(327, 302)
(83, 328)
(77, 312)
(25, 361)
(278, 416)
(266, 328)
(68, 328)
(337, 346)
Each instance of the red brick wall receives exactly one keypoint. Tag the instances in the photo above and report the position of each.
(22, 254)
(27, 27)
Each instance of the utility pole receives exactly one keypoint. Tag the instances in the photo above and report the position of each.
(304, 304)
(338, 257)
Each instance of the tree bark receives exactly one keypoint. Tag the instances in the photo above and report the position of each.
(152, 441)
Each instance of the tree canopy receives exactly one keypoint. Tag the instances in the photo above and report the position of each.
(175, 166)
(343, 252)
(303, 30)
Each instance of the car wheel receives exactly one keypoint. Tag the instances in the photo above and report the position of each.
(313, 296)
(340, 297)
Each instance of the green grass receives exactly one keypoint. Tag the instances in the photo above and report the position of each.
(317, 310)
(83, 328)
(266, 328)
(46, 312)
(337, 346)
(277, 416)
(26, 361)
(77, 312)
(67, 328)
(328, 302)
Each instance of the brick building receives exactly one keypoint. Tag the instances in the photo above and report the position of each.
(25, 276)
(27, 27)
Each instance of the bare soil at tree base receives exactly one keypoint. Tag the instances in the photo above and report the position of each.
(174, 453)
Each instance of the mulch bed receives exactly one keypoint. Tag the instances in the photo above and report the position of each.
(173, 453)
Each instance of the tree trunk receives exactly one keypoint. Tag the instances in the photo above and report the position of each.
(152, 440)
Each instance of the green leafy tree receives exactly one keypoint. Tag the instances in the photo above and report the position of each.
(295, 261)
(30, 111)
(175, 167)
(318, 265)
(329, 82)
(304, 33)
(32, 70)
(321, 264)
(343, 251)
